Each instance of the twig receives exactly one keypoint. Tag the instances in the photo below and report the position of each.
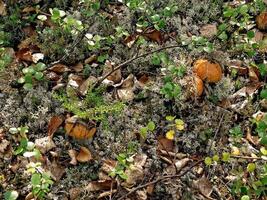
(160, 179)
(248, 157)
(131, 60)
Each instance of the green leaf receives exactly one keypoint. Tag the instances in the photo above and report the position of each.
(243, 9)
(251, 167)
(21, 80)
(36, 179)
(170, 118)
(96, 6)
(215, 158)
(208, 161)
(250, 34)
(39, 75)
(222, 27)
(223, 36)
(143, 131)
(11, 195)
(225, 156)
(22, 146)
(27, 86)
(155, 18)
(155, 60)
(151, 126)
(40, 66)
(245, 197)
(263, 94)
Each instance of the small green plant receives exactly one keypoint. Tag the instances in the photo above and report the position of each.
(5, 59)
(150, 127)
(40, 180)
(174, 125)
(236, 132)
(11, 195)
(261, 129)
(31, 74)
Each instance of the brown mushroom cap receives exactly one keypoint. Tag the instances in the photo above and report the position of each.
(206, 70)
(199, 86)
(84, 155)
(261, 21)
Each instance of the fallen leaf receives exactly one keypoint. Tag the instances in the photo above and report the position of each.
(24, 54)
(99, 185)
(78, 130)
(208, 30)
(56, 170)
(45, 144)
(150, 189)
(28, 9)
(3, 145)
(130, 40)
(134, 174)
(165, 144)
(78, 67)
(29, 31)
(141, 195)
(261, 21)
(72, 153)
(204, 186)
(91, 59)
(108, 165)
(180, 164)
(253, 74)
(105, 194)
(125, 94)
(115, 77)
(52, 76)
(37, 56)
(75, 81)
(59, 68)
(86, 85)
(140, 159)
(154, 35)
(2, 8)
(54, 124)
(84, 155)
(75, 192)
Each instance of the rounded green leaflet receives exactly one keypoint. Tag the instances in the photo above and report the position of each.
(11, 195)
(251, 167)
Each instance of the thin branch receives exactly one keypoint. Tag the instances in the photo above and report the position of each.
(163, 178)
(131, 60)
(247, 157)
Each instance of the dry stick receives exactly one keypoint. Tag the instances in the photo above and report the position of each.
(160, 179)
(247, 157)
(131, 60)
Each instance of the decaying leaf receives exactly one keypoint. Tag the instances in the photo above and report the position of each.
(73, 154)
(59, 68)
(24, 54)
(204, 186)
(52, 76)
(78, 130)
(108, 165)
(91, 59)
(75, 81)
(2, 8)
(75, 192)
(78, 67)
(115, 77)
(253, 74)
(165, 144)
(85, 86)
(45, 144)
(134, 174)
(154, 35)
(56, 170)
(100, 185)
(125, 92)
(84, 155)
(261, 21)
(54, 124)
(208, 30)
(141, 194)
(130, 40)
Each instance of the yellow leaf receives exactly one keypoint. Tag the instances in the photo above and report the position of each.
(179, 124)
(235, 151)
(170, 134)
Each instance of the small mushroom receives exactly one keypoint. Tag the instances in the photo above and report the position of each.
(84, 155)
(206, 70)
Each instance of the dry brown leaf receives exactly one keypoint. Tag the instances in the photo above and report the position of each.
(24, 54)
(84, 155)
(208, 30)
(59, 68)
(261, 21)
(141, 195)
(165, 144)
(143, 80)
(91, 59)
(140, 159)
(253, 74)
(206, 70)
(75, 192)
(56, 170)
(4, 145)
(29, 31)
(54, 124)
(28, 9)
(154, 35)
(108, 165)
(72, 153)
(150, 189)
(78, 130)
(105, 194)
(204, 186)
(253, 140)
(52, 76)
(134, 174)
(45, 144)
(130, 40)
(85, 86)
(180, 164)
(2, 8)
(115, 77)
(75, 81)
(78, 67)
(99, 185)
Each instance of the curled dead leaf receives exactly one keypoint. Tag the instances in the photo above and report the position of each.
(165, 144)
(86, 85)
(261, 21)
(154, 35)
(45, 144)
(78, 67)
(59, 68)
(24, 54)
(100, 185)
(206, 70)
(204, 186)
(78, 130)
(115, 77)
(84, 155)
(54, 124)
(72, 153)
(130, 40)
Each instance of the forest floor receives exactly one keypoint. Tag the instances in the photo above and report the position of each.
(133, 99)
